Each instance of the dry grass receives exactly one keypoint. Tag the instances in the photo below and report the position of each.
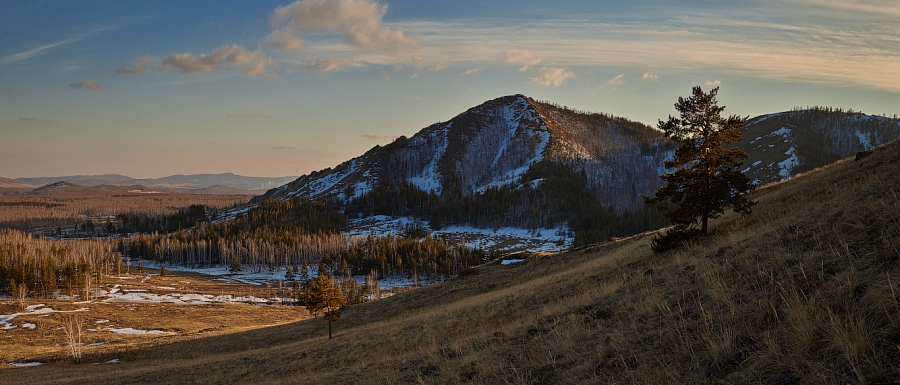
(805, 291)
(47, 342)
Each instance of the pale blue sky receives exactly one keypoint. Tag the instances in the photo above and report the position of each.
(269, 88)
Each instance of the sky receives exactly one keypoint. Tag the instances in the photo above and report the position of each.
(277, 88)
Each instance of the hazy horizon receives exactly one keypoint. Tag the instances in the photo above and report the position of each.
(285, 88)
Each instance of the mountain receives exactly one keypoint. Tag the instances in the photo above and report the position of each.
(84, 180)
(198, 183)
(514, 162)
(784, 144)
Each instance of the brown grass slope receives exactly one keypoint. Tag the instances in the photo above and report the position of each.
(802, 291)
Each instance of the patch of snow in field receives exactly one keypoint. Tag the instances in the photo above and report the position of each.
(97, 343)
(29, 326)
(786, 165)
(113, 361)
(103, 321)
(7, 326)
(864, 140)
(24, 364)
(754, 140)
(757, 162)
(511, 261)
(34, 310)
(132, 331)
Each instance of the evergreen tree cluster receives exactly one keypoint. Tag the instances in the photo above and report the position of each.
(551, 195)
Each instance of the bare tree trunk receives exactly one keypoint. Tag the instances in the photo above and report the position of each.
(22, 295)
(73, 326)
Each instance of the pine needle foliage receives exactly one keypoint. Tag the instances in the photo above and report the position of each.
(707, 178)
(326, 299)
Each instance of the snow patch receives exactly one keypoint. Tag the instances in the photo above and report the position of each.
(511, 261)
(788, 164)
(864, 140)
(132, 331)
(24, 364)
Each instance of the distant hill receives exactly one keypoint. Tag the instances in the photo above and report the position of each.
(785, 144)
(6, 183)
(201, 183)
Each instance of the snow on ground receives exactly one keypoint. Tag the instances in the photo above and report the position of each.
(511, 261)
(764, 118)
(33, 310)
(786, 165)
(429, 178)
(864, 140)
(783, 131)
(137, 331)
(504, 239)
(24, 364)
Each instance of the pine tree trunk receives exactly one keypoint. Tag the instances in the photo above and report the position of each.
(329, 328)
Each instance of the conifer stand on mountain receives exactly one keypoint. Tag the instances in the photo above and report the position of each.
(707, 178)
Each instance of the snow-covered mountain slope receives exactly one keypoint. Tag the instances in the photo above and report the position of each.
(785, 144)
(494, 145)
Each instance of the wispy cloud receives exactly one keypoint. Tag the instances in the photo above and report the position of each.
(361, 22)
(472, 71)
(37, 51)
(326, 64)
(713, 82)
(283, 39)
(140, 66)
(87, 84)
(801, 49)
(616, 80)
(248, 115)
(521, 56)
(650, 77)
(253, 63)
(551, 76)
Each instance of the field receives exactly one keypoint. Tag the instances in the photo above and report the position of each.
(804, 291)
(151, 310)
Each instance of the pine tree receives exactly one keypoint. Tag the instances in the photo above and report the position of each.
(326, 299)
(707, 178)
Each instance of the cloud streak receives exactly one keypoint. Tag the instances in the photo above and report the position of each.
(86, 84)
(140, 66)
(805, 50)
(37, 51)
(253, 63)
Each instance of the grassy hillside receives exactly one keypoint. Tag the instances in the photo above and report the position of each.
(802, 291)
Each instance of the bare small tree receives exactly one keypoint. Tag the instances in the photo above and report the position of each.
(88, 285)
(22, 295)
(72, 328)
